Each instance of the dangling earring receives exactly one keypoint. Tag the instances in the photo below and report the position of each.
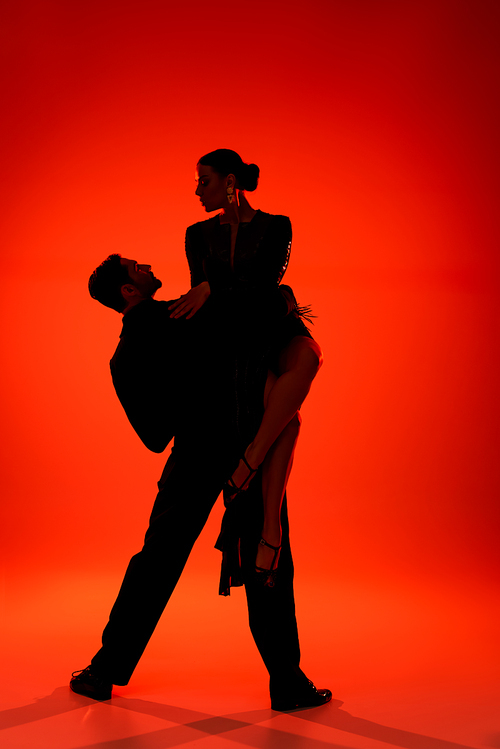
(230, 196)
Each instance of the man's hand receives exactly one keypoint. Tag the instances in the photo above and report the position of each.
(190, 303)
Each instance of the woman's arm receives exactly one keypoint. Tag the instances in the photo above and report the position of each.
(194, 254)
(278, 246)
(266, 264)
(188, 304)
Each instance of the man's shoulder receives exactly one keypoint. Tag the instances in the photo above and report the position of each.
(150, 322)
(144, 312)
(144, 327)
(145, 320)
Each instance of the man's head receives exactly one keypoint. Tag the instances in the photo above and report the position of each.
(120, 283)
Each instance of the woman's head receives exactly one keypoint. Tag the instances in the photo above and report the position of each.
(220, 171)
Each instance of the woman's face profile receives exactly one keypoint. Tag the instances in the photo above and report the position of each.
(210, 188)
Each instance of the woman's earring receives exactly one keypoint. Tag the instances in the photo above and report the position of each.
(230, 196)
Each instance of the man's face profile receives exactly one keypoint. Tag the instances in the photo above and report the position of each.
(141, 277)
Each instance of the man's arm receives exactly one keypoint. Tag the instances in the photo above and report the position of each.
(145, 394)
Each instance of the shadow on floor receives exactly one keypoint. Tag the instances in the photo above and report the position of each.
(193, 724)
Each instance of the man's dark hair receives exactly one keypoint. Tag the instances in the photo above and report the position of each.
(106, 281)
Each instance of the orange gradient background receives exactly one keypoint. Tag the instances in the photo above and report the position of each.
(376, 128)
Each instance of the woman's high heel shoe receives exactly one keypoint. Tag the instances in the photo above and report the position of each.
(268, 576)
(230, 490)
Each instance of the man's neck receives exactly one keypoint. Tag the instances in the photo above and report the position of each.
(134, 302)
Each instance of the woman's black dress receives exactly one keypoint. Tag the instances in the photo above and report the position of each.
(255, 320)
(250, 308)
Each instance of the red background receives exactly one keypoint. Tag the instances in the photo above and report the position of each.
(375, 125)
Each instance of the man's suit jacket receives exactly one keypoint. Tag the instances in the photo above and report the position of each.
(155, 370)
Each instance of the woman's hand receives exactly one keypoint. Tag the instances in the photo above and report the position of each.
(190, 303)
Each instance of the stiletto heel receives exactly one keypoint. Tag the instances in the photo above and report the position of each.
(230, 490)
(267, 576)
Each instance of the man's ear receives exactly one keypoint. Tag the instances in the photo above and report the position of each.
(129, 291)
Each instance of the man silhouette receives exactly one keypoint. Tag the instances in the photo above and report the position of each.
(173, 378)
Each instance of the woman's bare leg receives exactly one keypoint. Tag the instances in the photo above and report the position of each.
(275, 441)
(275, 472)
(299, 365)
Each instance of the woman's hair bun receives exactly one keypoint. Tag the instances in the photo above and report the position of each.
(250, 177)
(224, 161)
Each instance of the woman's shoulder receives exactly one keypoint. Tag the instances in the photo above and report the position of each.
(275, 218)
(275, 223)
(202, 226)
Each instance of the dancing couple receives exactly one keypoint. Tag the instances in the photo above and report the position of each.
(223, 370)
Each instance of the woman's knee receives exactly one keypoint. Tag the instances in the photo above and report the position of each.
(302, 355)
(316, 356)
(310, 359)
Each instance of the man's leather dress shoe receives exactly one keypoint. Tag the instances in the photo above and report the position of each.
(90, 685)
(307, 696)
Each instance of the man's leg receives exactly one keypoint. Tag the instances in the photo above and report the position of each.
(181, 509)
(271, 610)
(272, 616)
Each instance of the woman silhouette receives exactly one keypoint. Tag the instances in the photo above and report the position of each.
(238, 258)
